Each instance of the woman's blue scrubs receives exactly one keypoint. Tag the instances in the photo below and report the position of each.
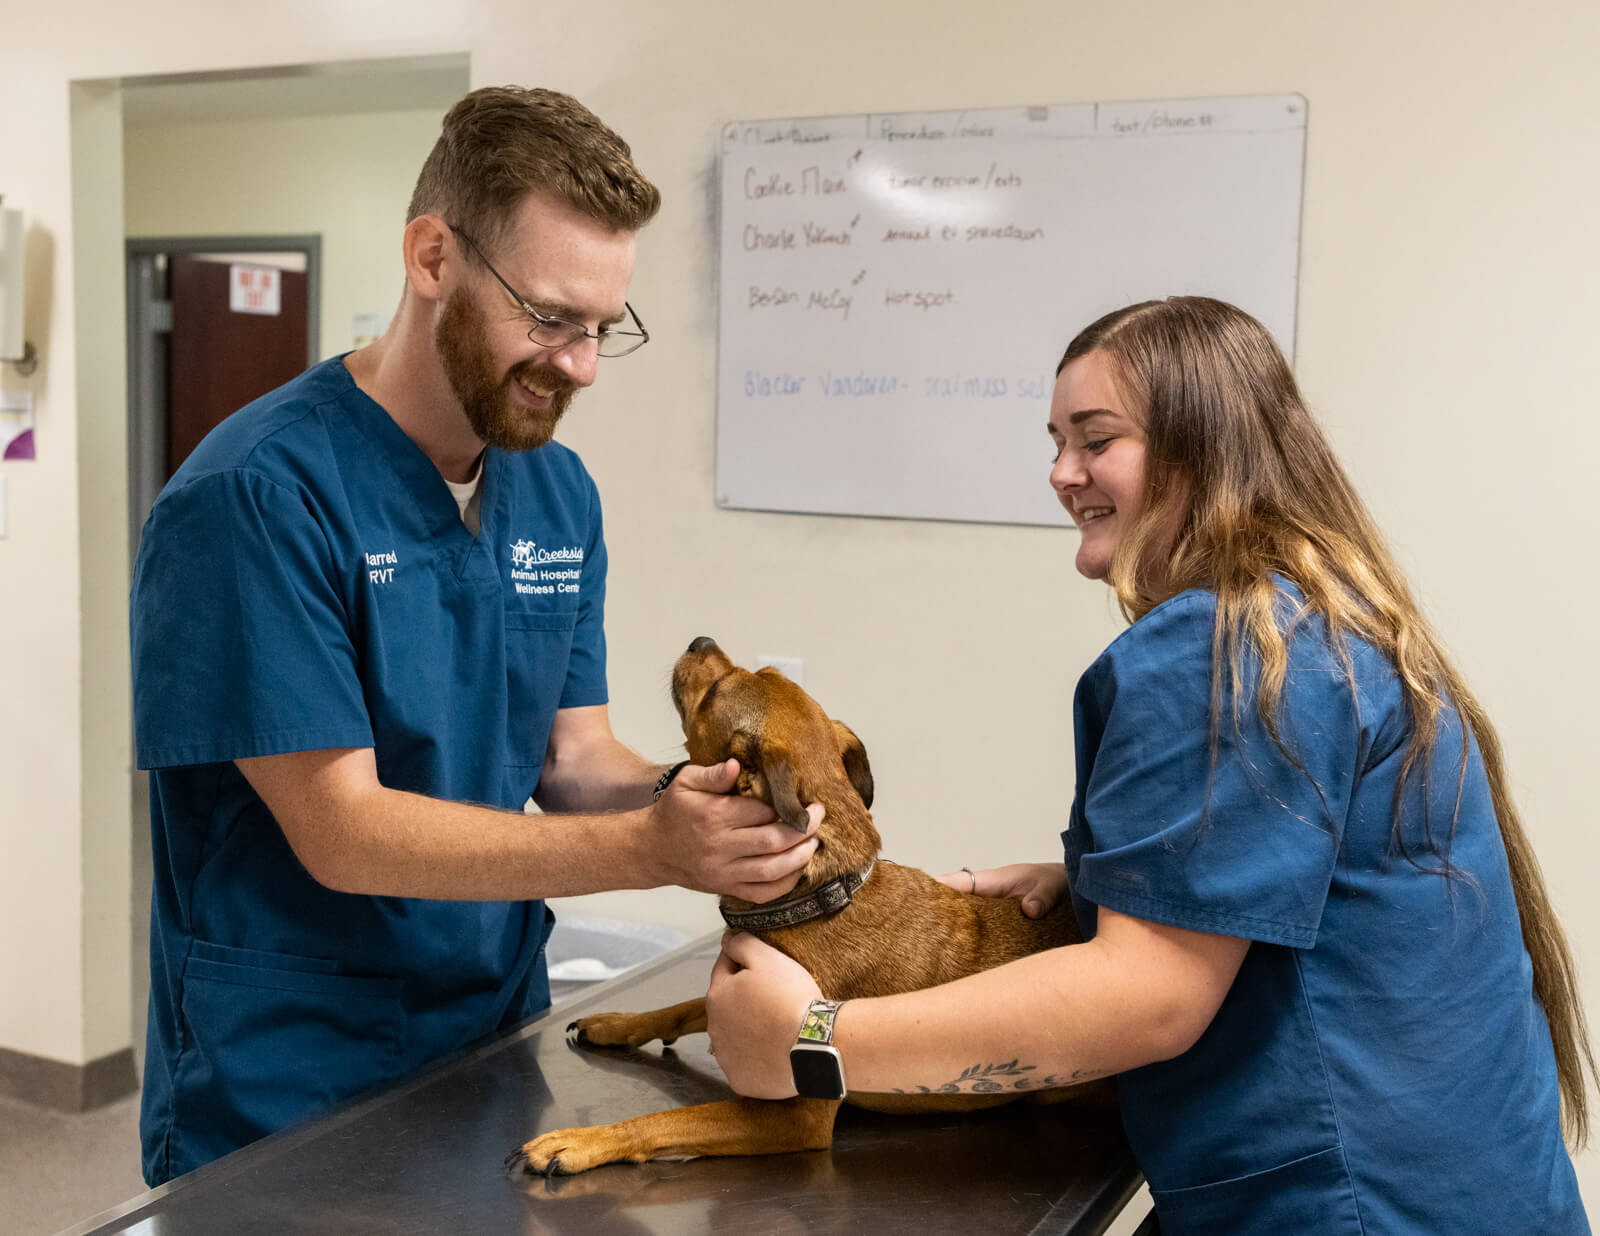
(1380, 1063)
(305, 581)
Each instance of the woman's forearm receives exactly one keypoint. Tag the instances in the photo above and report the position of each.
(1053, 1019)
(1137, 993)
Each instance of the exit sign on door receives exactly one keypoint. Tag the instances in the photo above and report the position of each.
(255, 289)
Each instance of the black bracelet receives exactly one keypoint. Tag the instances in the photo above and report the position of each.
(666, 778)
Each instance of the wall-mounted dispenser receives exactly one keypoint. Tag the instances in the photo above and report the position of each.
(13, 347)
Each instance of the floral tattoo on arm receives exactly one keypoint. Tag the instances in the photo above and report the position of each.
(1012, 1075)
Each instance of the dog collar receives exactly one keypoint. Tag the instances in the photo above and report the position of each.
(820, 902)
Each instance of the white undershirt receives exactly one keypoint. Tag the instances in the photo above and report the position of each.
(468, 496)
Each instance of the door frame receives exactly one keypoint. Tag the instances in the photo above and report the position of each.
(147, 393)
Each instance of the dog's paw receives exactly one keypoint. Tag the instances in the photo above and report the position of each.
(563, 1152)
(614, 1030)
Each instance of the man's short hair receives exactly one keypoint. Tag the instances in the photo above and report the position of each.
(503, 142)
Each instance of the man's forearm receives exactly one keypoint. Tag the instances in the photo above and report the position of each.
(355, 835)
(398, 844)
(609, 777)
(586, 769)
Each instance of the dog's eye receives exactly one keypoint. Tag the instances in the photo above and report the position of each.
(711, 694)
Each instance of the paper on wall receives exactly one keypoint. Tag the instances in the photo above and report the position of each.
(16, 425)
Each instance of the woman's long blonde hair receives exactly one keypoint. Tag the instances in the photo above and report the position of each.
(1237, 464)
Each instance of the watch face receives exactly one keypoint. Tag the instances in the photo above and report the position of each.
(817, 1072)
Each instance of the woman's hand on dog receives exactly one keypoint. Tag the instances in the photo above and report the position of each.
(705, 837)
(757, 1000)
(1039, 886)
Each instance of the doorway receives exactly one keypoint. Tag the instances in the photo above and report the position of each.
(213, 322)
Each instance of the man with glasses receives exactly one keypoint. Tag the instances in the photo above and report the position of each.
(367, 628)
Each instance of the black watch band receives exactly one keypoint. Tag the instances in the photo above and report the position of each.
(666, 779)
(814, 1060)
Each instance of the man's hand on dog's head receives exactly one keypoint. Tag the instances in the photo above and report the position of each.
(707, 838)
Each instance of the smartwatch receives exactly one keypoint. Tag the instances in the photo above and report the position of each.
(814, 1060)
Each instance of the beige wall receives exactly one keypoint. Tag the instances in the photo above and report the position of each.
(1448, 308)
(42, 755)
(345, 177)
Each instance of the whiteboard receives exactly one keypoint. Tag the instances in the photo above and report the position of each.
(896, 290)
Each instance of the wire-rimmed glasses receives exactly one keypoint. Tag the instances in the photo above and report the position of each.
(559, 333)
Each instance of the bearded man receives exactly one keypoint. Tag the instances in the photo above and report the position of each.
(368, 628)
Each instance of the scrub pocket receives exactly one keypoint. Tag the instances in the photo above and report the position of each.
(271, 1038)
(538, 647)
(1309, 1194)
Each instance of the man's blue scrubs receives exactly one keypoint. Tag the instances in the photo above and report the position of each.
(1380, 1063)
(305, 581)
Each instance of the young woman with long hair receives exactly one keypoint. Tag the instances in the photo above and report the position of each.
(1319, 954)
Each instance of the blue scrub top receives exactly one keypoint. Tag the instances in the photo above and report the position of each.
(305, 581)
(1380, 1063)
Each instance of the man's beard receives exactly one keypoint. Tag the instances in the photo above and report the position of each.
(461, 339)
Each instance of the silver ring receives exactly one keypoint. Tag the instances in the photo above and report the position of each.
(971, 877)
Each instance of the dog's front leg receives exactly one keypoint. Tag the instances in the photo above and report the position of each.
(635, 1029)
(733, 1126)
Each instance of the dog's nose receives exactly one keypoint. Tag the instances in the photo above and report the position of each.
(701, 642)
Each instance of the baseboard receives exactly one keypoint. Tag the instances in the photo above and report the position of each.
(66, 1087)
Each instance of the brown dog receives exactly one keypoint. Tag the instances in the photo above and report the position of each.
(901, 931)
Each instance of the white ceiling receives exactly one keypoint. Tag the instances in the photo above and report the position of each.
(426, 83)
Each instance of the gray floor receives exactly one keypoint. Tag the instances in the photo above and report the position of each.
(57, 1170)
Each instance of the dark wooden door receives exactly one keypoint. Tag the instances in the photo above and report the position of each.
(222, 359)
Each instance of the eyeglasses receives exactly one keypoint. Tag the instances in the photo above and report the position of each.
(558, 333)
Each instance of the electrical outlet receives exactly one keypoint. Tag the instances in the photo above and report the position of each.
(794, 668)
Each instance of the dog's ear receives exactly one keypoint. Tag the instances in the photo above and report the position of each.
(785, 792)
(855, 762)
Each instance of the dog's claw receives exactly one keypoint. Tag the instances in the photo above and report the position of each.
(519, 1161)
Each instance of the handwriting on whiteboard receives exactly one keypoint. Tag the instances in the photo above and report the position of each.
(902, 285)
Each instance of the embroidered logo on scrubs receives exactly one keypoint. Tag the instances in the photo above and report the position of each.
(380, 567)
(545, 572)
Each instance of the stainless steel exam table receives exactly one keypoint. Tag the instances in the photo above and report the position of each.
(424, 1155)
